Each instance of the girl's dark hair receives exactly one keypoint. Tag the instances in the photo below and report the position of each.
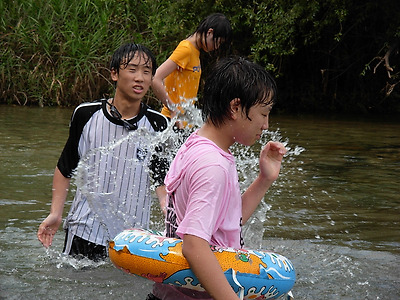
(221, 30)
(124, 54)
(235, 77)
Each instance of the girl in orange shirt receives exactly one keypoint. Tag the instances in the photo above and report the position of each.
(177, 79)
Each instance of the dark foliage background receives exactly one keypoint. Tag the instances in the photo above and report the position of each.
(328, 56)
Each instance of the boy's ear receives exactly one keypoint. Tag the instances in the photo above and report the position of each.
(114, 75)
(235, 108)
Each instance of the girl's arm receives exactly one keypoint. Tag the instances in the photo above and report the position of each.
(158, 82)
(270, 163)
(206, 268)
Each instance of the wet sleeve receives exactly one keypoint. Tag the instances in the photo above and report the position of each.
(181, 55)
(69, 158)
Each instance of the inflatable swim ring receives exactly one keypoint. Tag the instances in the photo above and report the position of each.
(252, 274)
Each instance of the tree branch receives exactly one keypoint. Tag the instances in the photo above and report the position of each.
(386, 61)
(386, 57)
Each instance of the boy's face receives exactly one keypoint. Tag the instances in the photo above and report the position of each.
(250, 128)
(134, 80)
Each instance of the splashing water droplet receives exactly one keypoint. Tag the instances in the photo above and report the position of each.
(105, 197)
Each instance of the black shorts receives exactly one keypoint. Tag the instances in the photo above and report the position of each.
(152, 297)
(82, 248)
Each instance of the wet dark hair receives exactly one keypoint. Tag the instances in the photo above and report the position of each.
(235, 77)
(124, 54)
(221, 30)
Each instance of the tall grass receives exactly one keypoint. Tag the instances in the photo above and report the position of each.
(57, 52)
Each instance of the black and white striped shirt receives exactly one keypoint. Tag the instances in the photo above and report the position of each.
(112, 166)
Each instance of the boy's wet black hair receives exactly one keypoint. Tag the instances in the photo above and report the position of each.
(235, 77)
(221, 30)
(124, 54)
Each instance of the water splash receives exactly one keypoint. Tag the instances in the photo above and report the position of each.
(62, 261)
(106, 204)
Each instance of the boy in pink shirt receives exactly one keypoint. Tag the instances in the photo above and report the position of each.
(205, 206)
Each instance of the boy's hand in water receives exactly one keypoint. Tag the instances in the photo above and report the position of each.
(48, 229)
(270, 160)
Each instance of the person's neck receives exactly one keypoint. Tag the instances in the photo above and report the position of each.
(126, 108)
(221, 136)
(194, 40)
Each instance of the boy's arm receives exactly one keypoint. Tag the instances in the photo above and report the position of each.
(270, 163)
(206, 268)
(159, 167)
(162, 198)
(50, 225)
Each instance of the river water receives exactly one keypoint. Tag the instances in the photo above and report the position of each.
(334, 211)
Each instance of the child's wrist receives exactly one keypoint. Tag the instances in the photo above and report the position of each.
(171, 106)
(265, 180)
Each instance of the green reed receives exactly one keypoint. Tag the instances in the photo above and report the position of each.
(57, 52)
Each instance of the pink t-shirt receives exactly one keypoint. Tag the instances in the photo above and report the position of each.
(206, 193)
(206, 199)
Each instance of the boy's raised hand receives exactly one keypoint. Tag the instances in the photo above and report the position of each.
(270, 160)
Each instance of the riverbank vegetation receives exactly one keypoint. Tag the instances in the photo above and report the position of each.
(327, 56)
